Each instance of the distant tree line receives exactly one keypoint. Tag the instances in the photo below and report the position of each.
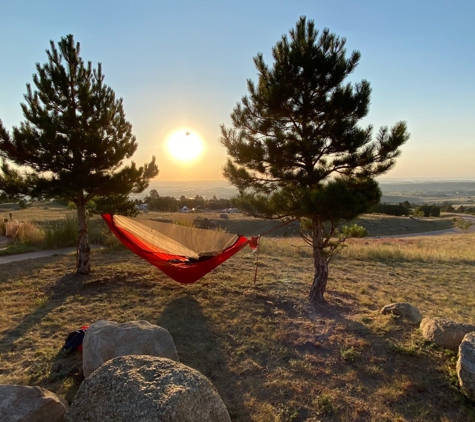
(156, 202)
(424, 210)
(465, 210)
(390, 209)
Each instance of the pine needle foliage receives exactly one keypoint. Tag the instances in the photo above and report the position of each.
(296, 148)
(74, 138)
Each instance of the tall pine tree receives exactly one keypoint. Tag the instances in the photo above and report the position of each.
(296, 149)
(74, 138)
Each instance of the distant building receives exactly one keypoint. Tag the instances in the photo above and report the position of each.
(231, 210)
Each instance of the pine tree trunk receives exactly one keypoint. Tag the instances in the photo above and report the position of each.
(83, 265)
(320, 263)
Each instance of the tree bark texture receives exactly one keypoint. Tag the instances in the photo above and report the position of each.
(320, 263)
(84, 251)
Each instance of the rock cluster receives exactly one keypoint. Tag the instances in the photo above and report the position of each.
(447, 334)
(132, 374)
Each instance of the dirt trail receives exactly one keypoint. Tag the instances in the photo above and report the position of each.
(40, 254)
(34, 255)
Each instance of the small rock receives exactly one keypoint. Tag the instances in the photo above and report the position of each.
(403, 310)
(445, 333)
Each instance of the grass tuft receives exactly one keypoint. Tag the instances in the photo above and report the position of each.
(349, 354)
(61, 233)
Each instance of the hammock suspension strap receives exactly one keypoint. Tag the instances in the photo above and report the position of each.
(258, 238)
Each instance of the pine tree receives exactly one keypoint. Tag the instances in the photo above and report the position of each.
(74, 138)
(296, 149)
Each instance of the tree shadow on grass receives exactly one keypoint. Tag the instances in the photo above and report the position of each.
(200, 347)
(31, 330)
(56, 295)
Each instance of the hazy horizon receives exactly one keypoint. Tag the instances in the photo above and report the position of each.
(224, 190)
(386, 179)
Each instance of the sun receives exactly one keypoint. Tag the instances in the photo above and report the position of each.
(185, 145)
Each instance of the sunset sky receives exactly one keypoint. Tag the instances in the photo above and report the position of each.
(182, 65)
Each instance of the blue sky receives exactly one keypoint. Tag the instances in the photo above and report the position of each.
(185, 64)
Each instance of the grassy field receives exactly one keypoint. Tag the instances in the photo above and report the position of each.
(51, 226)
(271, 354)
(376, 225)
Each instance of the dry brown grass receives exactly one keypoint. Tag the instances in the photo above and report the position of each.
(271, 354)
(455, 249)
(45, 211)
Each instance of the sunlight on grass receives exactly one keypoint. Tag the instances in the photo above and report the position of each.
(26, 236)
(288, 247)
(459, 248)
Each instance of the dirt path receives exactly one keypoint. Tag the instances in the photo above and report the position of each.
(34, 255)
(40, 254)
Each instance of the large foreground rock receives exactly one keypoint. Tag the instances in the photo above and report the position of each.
(445, 333)
(403, 310)
(144, 389)
(466, 365)
(20, 403)
(105, 340)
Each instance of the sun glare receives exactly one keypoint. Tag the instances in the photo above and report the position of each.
(184, 145)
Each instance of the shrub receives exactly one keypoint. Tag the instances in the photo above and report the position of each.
(463, 224)
(353, 231)
(427, 210)
(390, 209)
(447, 207)
(29, 234)
(25, 232)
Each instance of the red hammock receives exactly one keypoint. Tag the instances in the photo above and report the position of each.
(182, 256)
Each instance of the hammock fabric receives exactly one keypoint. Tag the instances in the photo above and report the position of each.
(183, 253)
